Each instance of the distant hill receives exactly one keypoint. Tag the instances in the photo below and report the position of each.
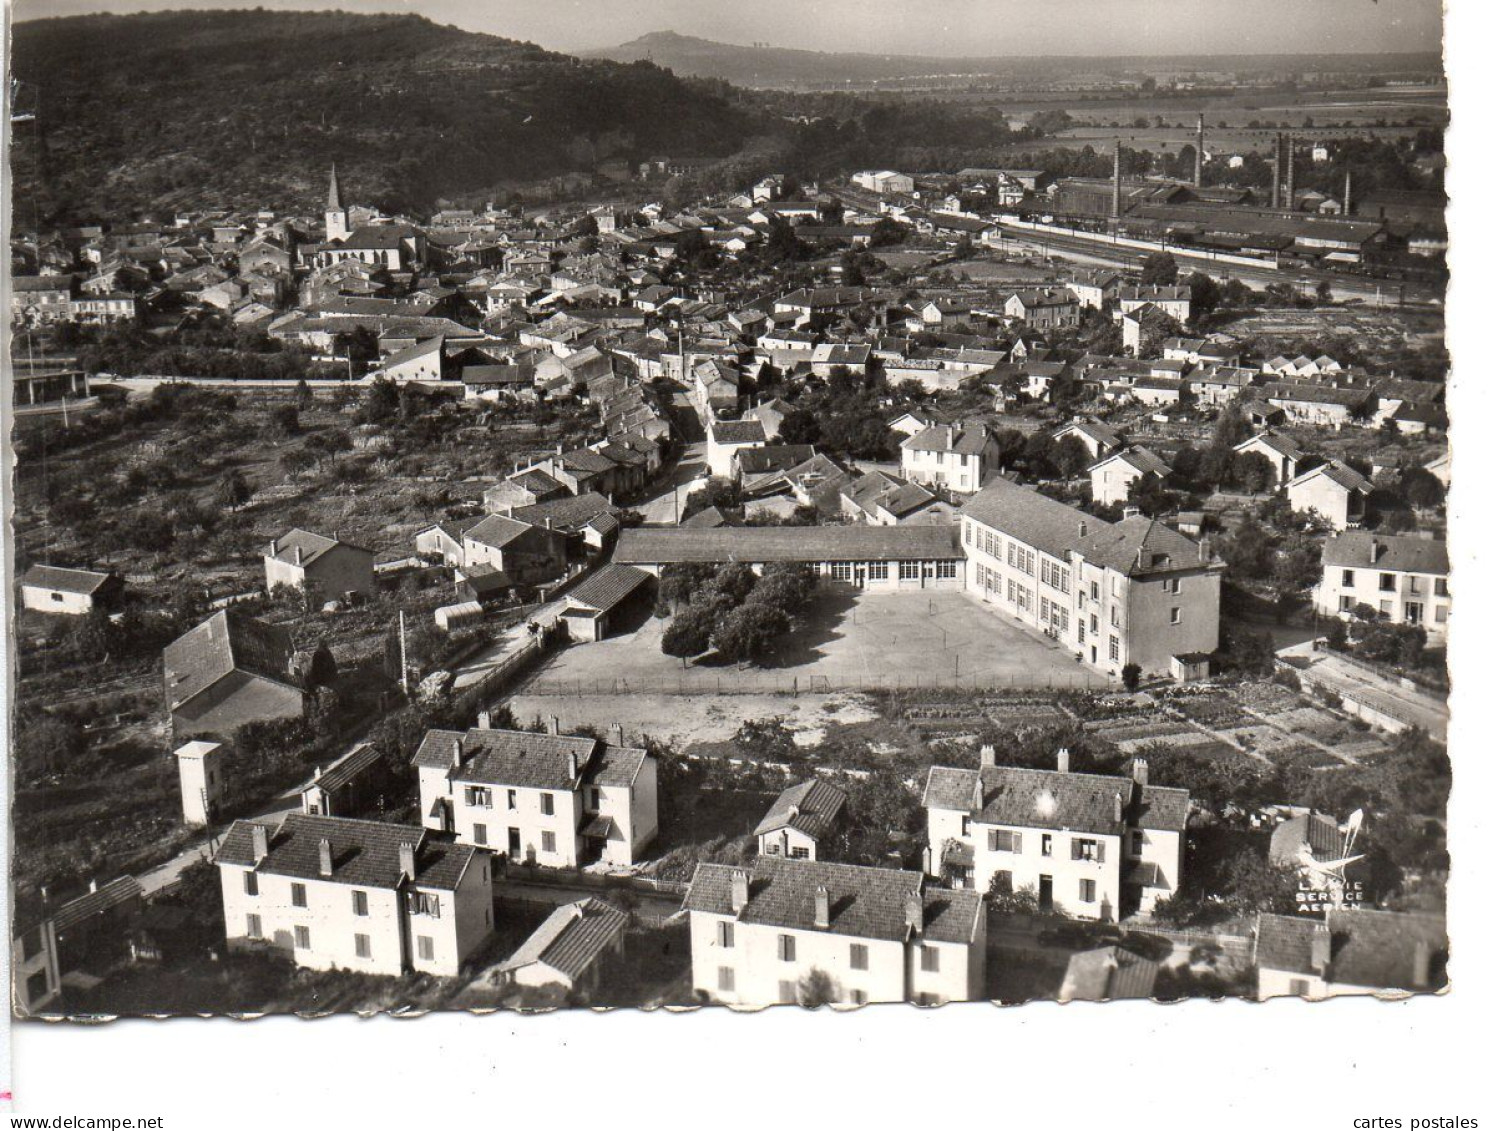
(250, 107)
(784, 67)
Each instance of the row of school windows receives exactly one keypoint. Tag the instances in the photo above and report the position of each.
(360, 942)
(419, 902)
(943, 570)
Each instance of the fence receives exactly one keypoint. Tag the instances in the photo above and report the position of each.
(769, 683)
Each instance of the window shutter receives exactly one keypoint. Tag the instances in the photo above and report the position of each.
(1100, 852)
(1017, 842)
(1075, 849)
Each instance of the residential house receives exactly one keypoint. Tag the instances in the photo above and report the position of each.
(363, 896)
(1099, 438)
(1175, 301)
(1281, 452)
(726, 438)
(1334, 490)
(1404, 578)
(350, 785)
(84, 936)
(1095, 289)
(799, 819)
(75, 592)
(559, 801)
(1108, 973)
(957, 457)
(1044, 309)
(527, 554)
(762, 934)
(322, 568)
(570, 948)
(231, 670)
(1089, 846)
(1350, 951)
(1111, 478)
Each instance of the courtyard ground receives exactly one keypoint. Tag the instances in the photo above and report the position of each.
(851, 641)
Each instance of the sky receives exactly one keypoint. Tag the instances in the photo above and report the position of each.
(907, 27)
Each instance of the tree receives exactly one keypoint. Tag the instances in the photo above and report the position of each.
(380, 404)
(689, 632)
(1150, 495)
(1131, 676)
(816, 989)
(799, 426)
(1421, 488)
(747, 632)
(233, 490)
(1159, 270)
(284, 420)
(304, 396)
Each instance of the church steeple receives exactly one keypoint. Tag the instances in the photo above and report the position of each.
(336, 222)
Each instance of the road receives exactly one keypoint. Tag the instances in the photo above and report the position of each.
(1092, 252)
(479, 666)
(1371, 689)
(668, 495)
(653, 907)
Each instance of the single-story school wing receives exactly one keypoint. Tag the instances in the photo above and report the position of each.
(866, 557)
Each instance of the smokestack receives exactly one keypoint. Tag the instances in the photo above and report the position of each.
(823, 917)
(1291, 180)
(1063, 760)
(1348, 193)
(1199, 157)
(1116, 184)
(739, 890)
(326, 864)
(405, 859)
(1276, 176)
(260, 843)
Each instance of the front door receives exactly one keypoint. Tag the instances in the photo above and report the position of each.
(1046, 893)
(514, 843)
(1414, 611)
(859, 577)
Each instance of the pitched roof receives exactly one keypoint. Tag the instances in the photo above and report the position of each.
(1139, 458)
(224, 642)
(497, 530)
(1356, 549)
(99, 902)
(363, 853)
(1318, 831)
(1019, 797)
(949, 438)
(864, 902)
(1339, 472)
(83, 581)
(571, 938)
(361, 759)
(521, 759)
(1278, 443)
(568, 513)
(607, 587)
(762, 544)
(809, 807)
(310, 546)
(1108, 973)
(737, 432)
(1380, 949)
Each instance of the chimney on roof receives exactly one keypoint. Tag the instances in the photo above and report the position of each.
(317, 773)
(1322, 949)
(327, 865)
(823, 917)
(1130, 511)
(459, 751)
(552, 724)
(914, 912)
(573, 766)
(273, 546)
(298, 556)
(260, 843)
(405, 859)
(739, 890)
(1063, 760)
(1082, 528)
(988, 755)
(1421, 964)
(1139, 771)
(483, 720)
(1375, 549)
(92, 886)
(617, 735)
(1118, 808)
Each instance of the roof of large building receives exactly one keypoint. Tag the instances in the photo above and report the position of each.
(1015, 796)
(224, 642)
(950, 438)
(363, 853)
(522, 759)
(570, 512)
(1360, 549)
(82, 581)
(571, 938)
(737, 432)
(809, 807)
(863, 902)
(762, 544)
(607, 587)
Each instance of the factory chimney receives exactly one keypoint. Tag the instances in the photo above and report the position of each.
(1348, 192)
(1291, 193)
(1276, 176)
(1116, 184)
(1199, 157)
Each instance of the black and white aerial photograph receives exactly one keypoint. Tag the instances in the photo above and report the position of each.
(705, 507)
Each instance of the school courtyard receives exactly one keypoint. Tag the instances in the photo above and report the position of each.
(854, 640)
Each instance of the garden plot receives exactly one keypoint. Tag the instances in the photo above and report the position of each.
(1267, 698)
(1259, 738)
(1316, 724)
(1131, 735)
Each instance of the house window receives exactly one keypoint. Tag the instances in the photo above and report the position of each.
(965, 824)
(363, 946)
(359, 903)
(480, 834)
(1415, 586)
(478, 796)
(909, 571)
(1087, 891)
(511, 799)
(1094, 591)
(787, 948)
(1387, 583)
(726, 979)
(878, 571)
(302, 938)
(1048, 845)
(1387, 608)
(842, 571)
(1441, 614)
(1115, 648)
(1298, 987)
(725, 934)
(772, 848)
(1083, 848)
(250, 883)
(547, 805)
(858, 957)
(799, 852)
(425, 948)
(1441, 587)
(255, 927)
(1175, 615)
(426, 903)
(1004, 840)
(549, 842)
(1348, 579)
(930, 959)
(297, 894)
(945, 570)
